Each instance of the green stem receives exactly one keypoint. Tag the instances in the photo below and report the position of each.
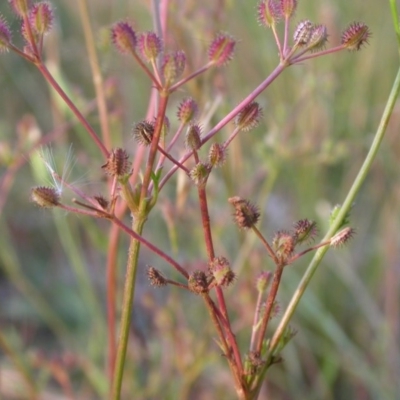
(127, 305)
(359, 180)
(393, 9)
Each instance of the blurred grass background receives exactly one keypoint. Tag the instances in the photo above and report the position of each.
(319, 120)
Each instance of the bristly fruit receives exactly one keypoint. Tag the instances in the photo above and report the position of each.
(199, 173)
(41, 17)
(45, 197)
(193, 137)
(217, 155)
(263, 281)
(246, 215)
(222, 49)
(302, 33)
(143, 132)
(198, 282)
(305, 231)
(342, 237)
(173, 66)
(269, 12)
(318, 38)
(5, 35)
(155, 277)
(124, 37)
(20, 7)
(118, 163)
(283, 244)
(150, 46)
(288, 8)
(355, 36)
(187, 110)
(221, 271)
(249, 117)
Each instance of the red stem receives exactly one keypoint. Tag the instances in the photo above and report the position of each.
(269, 304)
(47, 75)
(205, 216)
(149, 245)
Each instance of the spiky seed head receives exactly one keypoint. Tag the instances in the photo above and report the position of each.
(221, 271)
(193, 137)
(24, 32)
(143, 132)
(283, 245)
(45, 197)
(197, 282)
(302, 33)
(124, 37)
(187, 110)
(355, 36)
(269, 12)
(5, 35)
(20, 7)
(41, 17)
(199, 173)
(246, 215)
(305, 231)
(221, 49)
(342, 237)
(155, 277)
(263, 281)
(288, 8)
(180, 62)
(150, 46)
(249, 117)
(118, 163)
(173, 66)
(217, 155)
(318, 38)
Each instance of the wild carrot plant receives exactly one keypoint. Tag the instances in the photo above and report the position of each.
(176, 140)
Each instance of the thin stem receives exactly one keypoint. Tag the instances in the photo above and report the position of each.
(150, 246)
(170, 145)
(172, 159)
(266, 244)
(154, 79)
(127, 304)
(191, 76)
(286, 36)
(278, 42)
(298, 58)
(256, 321)
(235, 367)
(96, 72)
(395, 17)
(276, 280)
(153, 152)
(231, 137)
(45, 72)
(205, 217)
(274, 74)
(111, 281)
(355, 188)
